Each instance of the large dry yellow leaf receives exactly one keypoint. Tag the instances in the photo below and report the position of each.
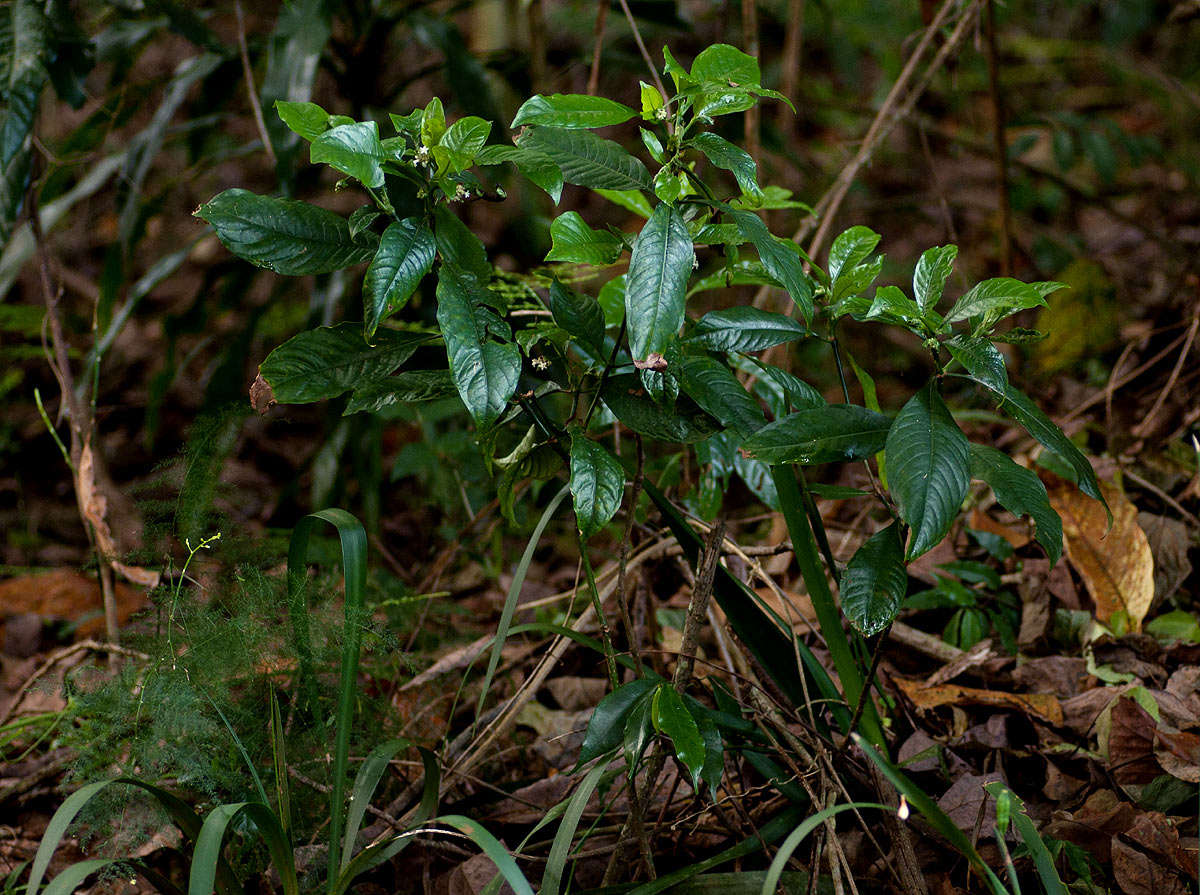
(1041, 705)
(1115, 564)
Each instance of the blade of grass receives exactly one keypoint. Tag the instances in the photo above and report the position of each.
(931, 812)
(283, 792)
(798, 835)
(559, 849)
(209, 846)
(514, 591)
(353, 539)
(493, 849)
(1042, 859)
(369, 774)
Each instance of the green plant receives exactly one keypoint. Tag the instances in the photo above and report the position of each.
(271, 818)
(541, 385)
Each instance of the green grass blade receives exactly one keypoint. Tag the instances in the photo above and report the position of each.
(374, 855)
(798, 835)
(283, 791)
(363, 791)
(559, 849)
(514, 591)
(493, 849)
(209, 845)
(936, 816)
(353, 538)
(767, 833)
(1042, 859)
(180, 813)
(72, 877)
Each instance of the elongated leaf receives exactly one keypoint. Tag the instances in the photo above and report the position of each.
(874, 582)
(824, 434)
(573, 240)
(405, 255)
(578, 314)
(745, 328)
(353, 539)
(671, 717)
(937, 818)
(657, 282)
(597, 482)
(493, 849)
(209, 843)
(928, 468)
(781, 259)
(1042, 859)
(724, 154)
(327, 361)
(981, 359)
(1020, 407)
(627, 399)
(537, 167)
(459, 247)
(931, 273)
(289, 237)
(365, 782)
(630, 200)
(587, 160)
(485, 371)
(353, 149)
(1021, 492)
(797, 836)
(995, 299)
(556, 860)
(571, 110)
(712, 385)
(409, 387)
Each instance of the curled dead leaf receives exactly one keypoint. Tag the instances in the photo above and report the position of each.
(1044, 706)
(653, 361)
(262, 397)
(94, 505)
(1115, 563)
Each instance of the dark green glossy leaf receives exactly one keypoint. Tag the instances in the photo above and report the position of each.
(537, 167)
(729, 157)
(781, 259)
(597, 482)
(981, 359)
(571, 110)
(657, 281)
(931, 273)
(714, 748)
(892, 305)
(409, 387)
(405, 255)
(630, 200)
(1021, 492)
(606, 729)
(995, 299)
(325, 362)
(485, 371)
(627, 399)
(1019, 406)
(459, 247)
(745, 328)
(874, 582)
(929, 468)
(824, 434)
(460, 143)
(14, 180)
(289, 237)
(724, 101)
(587, 160)
(850, 249)
(578, 314)
(851, 283)
(712, 385)
(305, 119)
(353, 149)
(573, 240)
(671, 717)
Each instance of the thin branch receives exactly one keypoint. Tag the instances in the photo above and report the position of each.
(1000, 144)
(637, 36)
(251, 88)
(593, 83)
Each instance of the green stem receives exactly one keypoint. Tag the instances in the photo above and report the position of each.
(829, 617)
(610, 658)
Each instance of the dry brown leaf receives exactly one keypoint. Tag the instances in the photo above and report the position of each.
(1042, 705)
(1115, 564)
(1131, 744)
(69, 596)
(95, 508)
(1016, 535)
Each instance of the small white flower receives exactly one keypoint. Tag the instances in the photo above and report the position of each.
(662, 113)
(540, 363)
(422, 154)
